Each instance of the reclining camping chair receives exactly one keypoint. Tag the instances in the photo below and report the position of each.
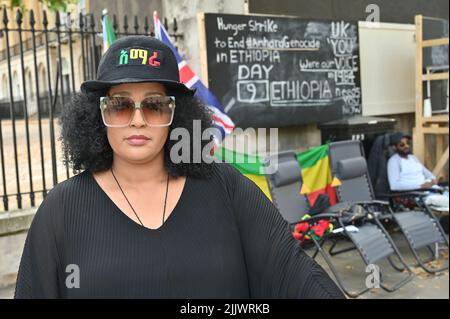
(420, 228)
(377, 165)
(372, 241)
(377, 161)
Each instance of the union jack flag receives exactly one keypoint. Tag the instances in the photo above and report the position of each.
(221, 121)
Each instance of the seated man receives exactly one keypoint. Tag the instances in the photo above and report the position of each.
(405, 171)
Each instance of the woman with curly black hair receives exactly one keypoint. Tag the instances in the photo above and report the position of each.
(138, 224)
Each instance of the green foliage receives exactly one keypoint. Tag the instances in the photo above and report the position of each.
(53, 5)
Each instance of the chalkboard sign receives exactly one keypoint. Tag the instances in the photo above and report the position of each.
(278, 71)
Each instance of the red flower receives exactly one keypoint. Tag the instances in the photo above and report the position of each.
(301, 227)
(324, 223)
(297, 236)
(304, 230)
(320, 228)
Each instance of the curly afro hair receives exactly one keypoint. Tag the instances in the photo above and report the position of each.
(85, 143)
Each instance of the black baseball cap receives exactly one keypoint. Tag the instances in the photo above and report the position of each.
(396, 137)
(137, 59)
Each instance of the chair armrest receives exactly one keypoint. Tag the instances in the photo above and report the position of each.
(339, 208)
(417, 192)
(443, 184)
(315, 217)
(371, 202)
(402, 194)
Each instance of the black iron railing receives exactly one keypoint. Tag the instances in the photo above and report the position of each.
(28, 111)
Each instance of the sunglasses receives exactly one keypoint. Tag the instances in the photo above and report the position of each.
(156, 110)
(403, 144)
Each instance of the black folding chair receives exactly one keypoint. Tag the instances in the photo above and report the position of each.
(372, 241)
(377, 162)
(420, 227)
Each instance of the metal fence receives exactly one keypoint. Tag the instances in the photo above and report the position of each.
(38, 74)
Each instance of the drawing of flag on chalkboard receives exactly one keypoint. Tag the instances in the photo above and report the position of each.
(221, 121)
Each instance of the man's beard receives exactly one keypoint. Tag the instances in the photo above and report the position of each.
(404, 153)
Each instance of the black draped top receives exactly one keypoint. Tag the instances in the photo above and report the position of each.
(224, 239)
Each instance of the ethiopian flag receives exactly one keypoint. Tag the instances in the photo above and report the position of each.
(316, 174)
(250, 166)
(108, 33)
